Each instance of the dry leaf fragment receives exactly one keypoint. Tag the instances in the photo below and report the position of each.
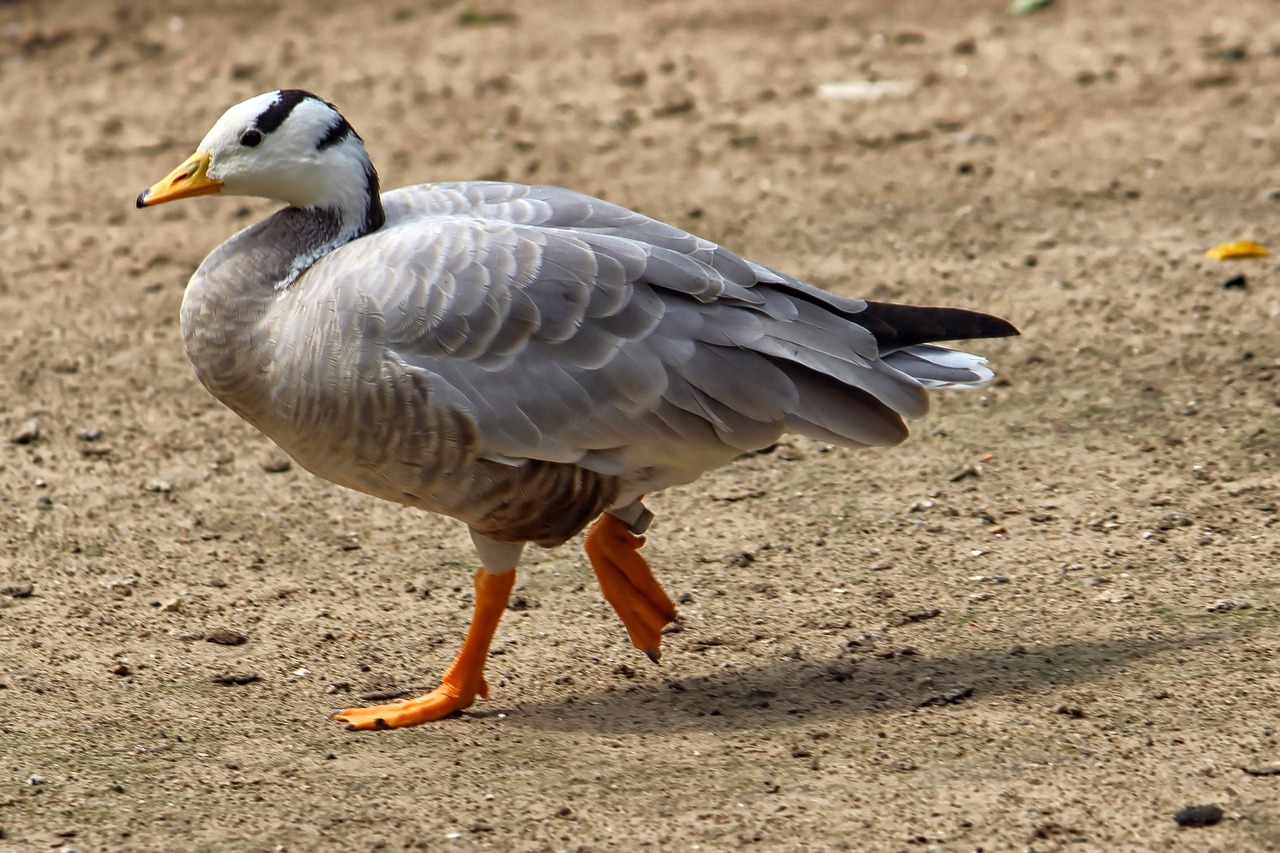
(1238, 249)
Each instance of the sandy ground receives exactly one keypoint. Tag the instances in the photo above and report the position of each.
(1048, 621)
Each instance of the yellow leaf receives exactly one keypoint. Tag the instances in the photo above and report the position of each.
(1238, 249)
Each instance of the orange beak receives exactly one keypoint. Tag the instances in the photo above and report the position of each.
(189, 179)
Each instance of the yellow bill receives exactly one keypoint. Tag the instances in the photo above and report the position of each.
(189, 179)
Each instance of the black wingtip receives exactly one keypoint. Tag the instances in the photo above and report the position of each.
(1000, 328)
(907, 325)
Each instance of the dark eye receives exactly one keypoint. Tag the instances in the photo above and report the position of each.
(251, 138)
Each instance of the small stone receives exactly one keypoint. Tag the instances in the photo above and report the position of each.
(1233, 53)
(1203, 815)
(278, 465)
(36, 779)
(89, 434)
(230, 679)
(173, 605)
(18, 590)
(162, 487)
(223, 637)
(27, 433)
(1270, 770)
(949, 697)
(121, 669)
(1236, 282)
(917, 616)
(673, 107)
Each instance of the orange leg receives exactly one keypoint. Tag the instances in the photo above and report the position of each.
(462, 682)
(628, 583)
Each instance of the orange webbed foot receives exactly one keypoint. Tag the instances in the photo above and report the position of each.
(442, 702)
(628, 583)
(462, 682)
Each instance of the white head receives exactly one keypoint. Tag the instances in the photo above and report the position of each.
(287, 145)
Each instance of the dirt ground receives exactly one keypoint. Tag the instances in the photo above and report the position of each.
(1048, 621)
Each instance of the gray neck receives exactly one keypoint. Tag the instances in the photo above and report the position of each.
(230, 296)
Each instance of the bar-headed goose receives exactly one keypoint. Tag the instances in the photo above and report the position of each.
(528, 360)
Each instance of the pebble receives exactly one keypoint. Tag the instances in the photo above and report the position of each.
(1225, 605)
(1270, 770)
(223, 637)
(1203, 815)
(948, 697)
(27, 433)
(18, 590)
(230, 679)
(918, 616)
(36, 779)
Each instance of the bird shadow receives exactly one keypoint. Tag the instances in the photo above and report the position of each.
(786, 692)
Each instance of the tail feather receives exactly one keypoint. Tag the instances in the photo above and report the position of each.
(941, 367)
(900, 326)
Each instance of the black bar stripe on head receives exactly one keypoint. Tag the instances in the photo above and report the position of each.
(374, 215)
(273, 116)
(337, 132)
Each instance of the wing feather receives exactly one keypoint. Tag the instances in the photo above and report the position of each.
(570, 329)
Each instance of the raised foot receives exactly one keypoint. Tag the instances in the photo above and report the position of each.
(628, 583)
(436, 705)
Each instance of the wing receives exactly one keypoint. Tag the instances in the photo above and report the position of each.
(574, 330)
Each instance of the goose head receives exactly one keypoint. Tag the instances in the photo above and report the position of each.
(287, 145)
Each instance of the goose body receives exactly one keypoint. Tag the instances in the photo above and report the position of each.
(524, 359)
